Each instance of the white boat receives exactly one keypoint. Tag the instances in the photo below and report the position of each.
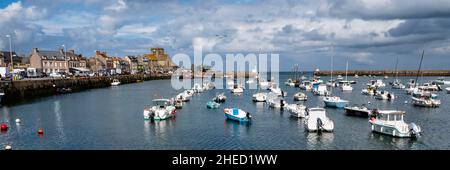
(356, 76)
(317, 120)
(237, 90)
(390, 122)
(300, 96)
(441, 81)
(386, 77)
(183, 97)
(369, 91)
(230, 84)
(335, 101)
(237, 115)
(289, 82)
(197, 88)
(346, 87)
(448, 90)
(384, 95)
(376, 83)
(305, 85)
(160, 110)
(276, 103)
(277, 90)
(429, 87)
(361, 111)
(339, 77)
(398, 85)
(321, 90)
(220, 98)
(296, 110)
(425, 102)
(264, 84)
(189, 93)
(115, 82)
(260, 97)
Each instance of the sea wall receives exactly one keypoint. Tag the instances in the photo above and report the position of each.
(386, 72)
(22, 90)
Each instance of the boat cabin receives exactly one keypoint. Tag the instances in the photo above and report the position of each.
(388, 115)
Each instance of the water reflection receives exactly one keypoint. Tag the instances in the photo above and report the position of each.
(397, 143)
(236, 128)
(319, 140)
(59, 121)
(161, 130)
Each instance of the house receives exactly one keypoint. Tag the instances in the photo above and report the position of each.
(159, 60)
(5, 58)
(132, 63)
(55, 61)
(101, 63)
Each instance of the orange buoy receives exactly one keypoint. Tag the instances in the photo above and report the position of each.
(3, 127)
(40, 132)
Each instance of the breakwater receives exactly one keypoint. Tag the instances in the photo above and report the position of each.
(386, 72)
(23, 90)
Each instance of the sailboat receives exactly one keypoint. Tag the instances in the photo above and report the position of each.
(397, 84)
(346, 85)
(334, 101)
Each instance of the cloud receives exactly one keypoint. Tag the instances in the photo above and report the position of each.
(362, 57)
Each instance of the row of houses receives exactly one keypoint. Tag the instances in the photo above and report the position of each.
(49, 61)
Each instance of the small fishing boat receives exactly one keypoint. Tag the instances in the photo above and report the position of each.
(390, 122)
(212, 105)
(398, 85)
(259, 97)
(384, 95)
(297, 110)
(277, 90)
(276, 103)
(197, 88)
(289, 82)
(237, 90)
(356, 76)
(425, 101)
(441, 81)
(339, 77)
(300, 96)
(183, 97)
(305, 85)
(160, 110)
(361, 111)
(115, 82)
(346, 87)
(369, 91)
(64, 90)
(448, 90)
(317, 120)
(178, 104)
(334, 101)
(237, 115)
(430, 87)
(320, 90)
(376, 83)
(220, 98)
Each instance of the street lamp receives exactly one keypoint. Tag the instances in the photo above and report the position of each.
(10, 53)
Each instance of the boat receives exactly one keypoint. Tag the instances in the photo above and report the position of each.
(335, 101)
(289, 82)
(425, 101)
(391, 122)
(339, 77)
(220, 98)
(305, 85)
(2, 94)
(361, 111)
(276, 103)
(115, 82)
(237, 115)
(264, 84)
(346, 85)
(277, 90)
(320, 90)
(419, 93)
(398, 85)
(160, 110)
(356, 76)
(197, 88)
(376, 83)
(64, 90)
(430, 87)
(441, 81)
(386, 77)
(184, 97)
(237, 90)
(448, 90)
(178, 104)
(259, 97)
(296, 110)
(212, 105)
(300, 96)
(369, 91)
(317, 120)
(331, 83)
(384, 95)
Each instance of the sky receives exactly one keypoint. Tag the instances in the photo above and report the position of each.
(369, 34)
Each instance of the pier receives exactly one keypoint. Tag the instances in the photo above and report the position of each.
(386, 73)
(22, 90)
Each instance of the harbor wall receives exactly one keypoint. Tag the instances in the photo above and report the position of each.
(386, 73)
(22, 90)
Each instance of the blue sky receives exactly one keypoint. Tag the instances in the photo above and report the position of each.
(371, 34)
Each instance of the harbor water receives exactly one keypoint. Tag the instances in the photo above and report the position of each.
(111, 118)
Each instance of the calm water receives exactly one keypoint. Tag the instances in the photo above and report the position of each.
(111, 118)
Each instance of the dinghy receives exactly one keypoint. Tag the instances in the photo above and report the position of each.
(237, 115)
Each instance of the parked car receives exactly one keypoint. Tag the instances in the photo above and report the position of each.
(56, 75)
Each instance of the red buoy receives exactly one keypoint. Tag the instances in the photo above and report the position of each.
(3, 127)
(40, 132)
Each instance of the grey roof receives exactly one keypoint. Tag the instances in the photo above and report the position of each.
(51, 55)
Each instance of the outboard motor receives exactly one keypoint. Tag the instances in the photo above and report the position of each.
(439, 87)
(282, 104)
(319, 124)
(389, 96)
(248, 116)
(414, 129)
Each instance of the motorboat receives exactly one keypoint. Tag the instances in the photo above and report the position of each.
(448, 90)
(212, 105)
(316, 120)
(339, 77)
(369, 91)
(346, 87)
(296, 110)
(305, 85)
(441, 81)
(178, 104)
(197, 88)
(356, 76)
(230, 84)
(237, 90)
(63, 90)
(361, 111)
(289, 82)
(421, 93)
(430, 87)
(335, 101)
(115, 82)
(376, 83)
(237, 115)
(183, 97)
(320, 90)
(331, 83)
(160, 110)
(425, 101)
(398, 85)
(220, 98)
(264, 84)
(384, 95)
(259, 97)
(391, 122)
(386, 77)
(300, 96)
(277, 90)
(276, 103)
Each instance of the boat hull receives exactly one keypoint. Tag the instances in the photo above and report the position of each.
(335, 104)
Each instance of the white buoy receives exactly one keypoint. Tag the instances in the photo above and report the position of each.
(8, 147)
(368, 102)
(17, 120)
(406, 102)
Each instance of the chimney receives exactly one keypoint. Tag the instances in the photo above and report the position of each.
(72, 51)
(35, 51)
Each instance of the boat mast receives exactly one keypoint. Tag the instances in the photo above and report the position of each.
(331, 75)
(346, 70)
(396, 70)
(420, 67)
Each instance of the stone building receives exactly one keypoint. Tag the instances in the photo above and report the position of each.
(101, 63)
(159, 60)
(132, 64)
(5, 59)
(55, 61)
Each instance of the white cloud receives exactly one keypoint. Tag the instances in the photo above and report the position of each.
(119, 5)
(362, 57)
